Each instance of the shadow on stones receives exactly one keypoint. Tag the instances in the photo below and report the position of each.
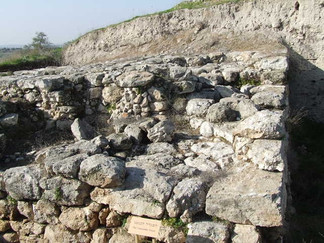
(305, 126)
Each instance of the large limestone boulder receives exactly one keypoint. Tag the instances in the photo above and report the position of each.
(198, 107)
(208, 231)
(62, 191)
(22, 183)
(221, 112)
(134, 79)
(68, 167)
(79, 219)
(120, 141)
(82, 130)
(220, 152)
(161, 132)
(59, 233)
(268, 154)
(94, 146)
(188, 196)
(263, 124)
(269, 96)
(248, 196)
(102, 171)
(144, 193)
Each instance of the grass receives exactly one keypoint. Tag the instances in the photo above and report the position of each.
(180, 6)
(11, 200)
(30, 59)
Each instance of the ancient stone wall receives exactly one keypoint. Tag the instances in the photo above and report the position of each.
(199, 139)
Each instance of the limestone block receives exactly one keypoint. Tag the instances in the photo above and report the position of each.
(248, 196)
(207, 231)
(102, 171)
(188, 195)
(23, 182)
(263, 124)
(79, 219)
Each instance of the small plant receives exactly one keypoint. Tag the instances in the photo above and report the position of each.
(176, 223)
(11, 200)
(219, 220)
(243, 81)
(58, 194)
(156, 203)
(111, 108)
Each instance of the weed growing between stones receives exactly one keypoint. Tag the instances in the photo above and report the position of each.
(243, 81)
(58, 194)
(176, 223)
(11, 200)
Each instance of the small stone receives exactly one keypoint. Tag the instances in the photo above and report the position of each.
(82, 130)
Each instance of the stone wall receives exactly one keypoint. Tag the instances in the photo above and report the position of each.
(199, 139)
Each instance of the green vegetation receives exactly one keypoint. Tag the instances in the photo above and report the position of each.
(175, 223)
(111, 108)
(40, 53)
(307, 187)
(11, 200)
(243, 81)
(58, 194)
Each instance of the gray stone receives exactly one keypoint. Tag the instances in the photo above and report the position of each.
(50, 83)
(144, 193)
(82, 130)
(188, 195)
(242, 198)
(121, 236)
(244, 106)
(206, 129)
(221, 152)
(202, 163)
(207, 231)
(95, 79)
(164, 148)
(23, 182)
(221, 112)
(263, 124)
(46, 212)
(89, 147)
(226, 91)
(120, 141)
(67, 192)
(161, 162)
(161, 132)
(9, 120)
(134, 132)
(184, 87)
(269, 96)
(268, 154)
(134, 79)
(198, 107)
(68, 167)
(102, 171)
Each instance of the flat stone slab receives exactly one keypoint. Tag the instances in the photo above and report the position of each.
(248, 196)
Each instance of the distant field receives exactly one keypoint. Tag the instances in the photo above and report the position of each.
(6, 53)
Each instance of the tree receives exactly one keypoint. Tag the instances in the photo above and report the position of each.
(40, 42)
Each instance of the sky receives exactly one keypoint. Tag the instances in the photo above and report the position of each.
(66, 20)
